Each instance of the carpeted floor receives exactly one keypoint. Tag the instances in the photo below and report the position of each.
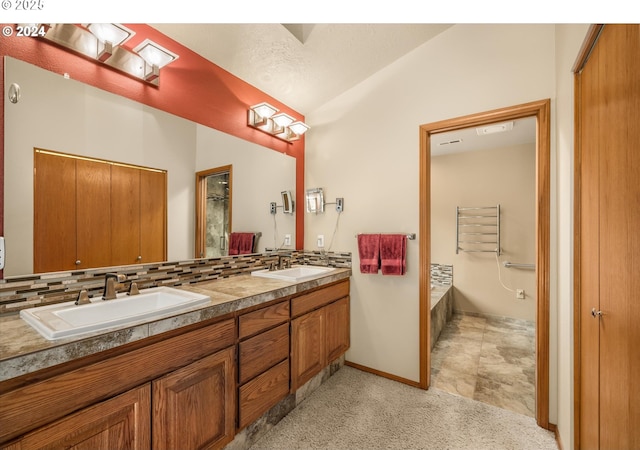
(358, 410)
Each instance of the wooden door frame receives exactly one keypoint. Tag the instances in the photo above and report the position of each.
(588, 44)
(541, 111)
(201, 204)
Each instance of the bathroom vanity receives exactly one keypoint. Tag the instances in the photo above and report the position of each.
(191, 380)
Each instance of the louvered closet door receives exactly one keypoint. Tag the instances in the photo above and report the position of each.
(609, 152)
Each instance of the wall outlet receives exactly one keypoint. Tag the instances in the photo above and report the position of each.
(321, 241)
(272, 207)
(287, 239)
(520, 294)
(339, 204)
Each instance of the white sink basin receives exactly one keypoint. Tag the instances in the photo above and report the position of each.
(69, 320)
(295, 273)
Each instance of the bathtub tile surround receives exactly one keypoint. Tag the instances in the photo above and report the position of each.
(442, 274)
(18, 293)
(441, 310)
(489, 359)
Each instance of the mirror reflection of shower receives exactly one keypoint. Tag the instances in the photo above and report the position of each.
(217, 215)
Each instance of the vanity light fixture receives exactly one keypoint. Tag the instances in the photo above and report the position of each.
(155, 58)
(109, 35)
(103, 43)
(260, 116)
(114, 33)
(263, 117)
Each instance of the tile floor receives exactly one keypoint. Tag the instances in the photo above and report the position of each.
(487, 359)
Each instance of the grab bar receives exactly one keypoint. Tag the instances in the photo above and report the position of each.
(519, 265)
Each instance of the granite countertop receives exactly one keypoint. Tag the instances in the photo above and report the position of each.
(23, 350)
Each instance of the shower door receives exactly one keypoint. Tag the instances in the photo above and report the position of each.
(213, 212)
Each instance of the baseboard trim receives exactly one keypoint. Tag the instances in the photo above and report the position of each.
(553, 427)
(382, 374)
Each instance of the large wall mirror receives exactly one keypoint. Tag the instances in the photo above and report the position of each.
(65, 115)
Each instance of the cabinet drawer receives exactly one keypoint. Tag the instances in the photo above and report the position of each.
(321, 297)
(257, 321)
(263, 351)
(261, 393)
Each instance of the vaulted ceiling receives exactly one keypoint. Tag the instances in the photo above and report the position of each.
(302, 65)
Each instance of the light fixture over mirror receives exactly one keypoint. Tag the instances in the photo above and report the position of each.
(155, 58)
(103, 42)
(263, 117)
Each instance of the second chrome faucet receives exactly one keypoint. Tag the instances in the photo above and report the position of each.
(110, 282)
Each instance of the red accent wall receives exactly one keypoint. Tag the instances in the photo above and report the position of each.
(191, 87)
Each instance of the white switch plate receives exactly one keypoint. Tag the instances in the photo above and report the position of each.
(321, 241)
(287, 239)
(520, 294)
(1, 253)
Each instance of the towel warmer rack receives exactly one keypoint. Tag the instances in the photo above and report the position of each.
(478, 229)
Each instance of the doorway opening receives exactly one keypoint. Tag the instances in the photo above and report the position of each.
(540, 111)
(213, 212)
(484, 290)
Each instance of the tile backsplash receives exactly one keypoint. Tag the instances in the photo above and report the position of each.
(22, 292)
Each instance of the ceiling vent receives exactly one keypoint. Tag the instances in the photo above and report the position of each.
(495, 128)
(452, 141)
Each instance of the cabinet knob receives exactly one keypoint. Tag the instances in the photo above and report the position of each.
(78, 262)
(139, 257)
(595, 313)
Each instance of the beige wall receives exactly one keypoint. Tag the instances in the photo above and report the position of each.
(364, 147)
(504, 176)
(569, 38)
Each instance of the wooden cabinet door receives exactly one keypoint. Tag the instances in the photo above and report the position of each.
(308, 354)
(337, 328)
(153, 216)
(93, 219)
(125, 215)
(122, 422)
(608, 246)
(194, 407)
(54, 224)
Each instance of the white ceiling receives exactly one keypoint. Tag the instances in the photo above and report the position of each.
(302, 65)
(523, 132)
(306, 65)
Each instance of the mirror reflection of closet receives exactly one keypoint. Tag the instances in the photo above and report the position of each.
(213, 212)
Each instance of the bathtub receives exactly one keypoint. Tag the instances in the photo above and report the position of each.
(441, 309)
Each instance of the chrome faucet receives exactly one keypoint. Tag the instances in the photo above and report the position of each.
(110, 282)
(284, 262)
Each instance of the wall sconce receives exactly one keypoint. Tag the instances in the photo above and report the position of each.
(103, 42)
(263, 117)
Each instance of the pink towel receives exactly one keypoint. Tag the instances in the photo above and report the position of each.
(369, 252)
(240, 243)
(393, 248)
